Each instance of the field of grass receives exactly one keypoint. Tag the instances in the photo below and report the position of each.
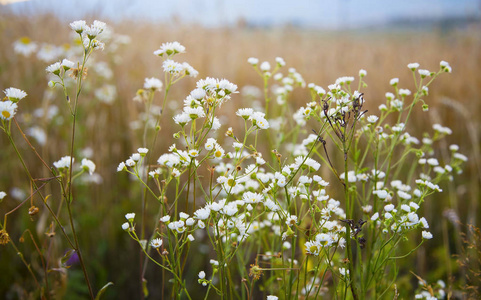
(109, 130)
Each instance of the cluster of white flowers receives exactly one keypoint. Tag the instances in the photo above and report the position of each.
(250, 198)
(431, 292)
(133, 161)
(8, 107)
(179, 69)
(331, 235)
(258, 118)
(170, 49)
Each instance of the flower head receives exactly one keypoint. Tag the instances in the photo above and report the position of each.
(67, 64)
(54, 68)
(14, 94)
(153, 84)
(427, 235)
(169, 49)
(78, 26)
(88, 165)
(95, 29)
(130, 217)
(413, 66)
(253, 61)
(63, 163)
(156, 243)
(7, 109)
(25, 46)
(172, 67)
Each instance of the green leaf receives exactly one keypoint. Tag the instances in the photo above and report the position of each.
(66, 257)
(357, 155)
(102, 290)
(144, 287)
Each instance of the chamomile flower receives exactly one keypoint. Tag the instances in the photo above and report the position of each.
(54, 68)
(253, 61)
(312, 247)
(193, 152)
(413, 66)
(78, 26)
(198, 94)
(88, 165)
(182, 119)
(67, 64)
(189, 70)
(130, 217)
(95, 29)
(460, 156)
(172, 67)
(372, 119)
(169, 49)
(219, 151)
(25, 46)
(14, 94)
(194, 113)
(427, 235)
(265, 66)
(245, 113)
(156, 243)
(153, 84)
(202, 213)
(7, 110)
(210, 144)
(142, 151)
(251, 197)
(404, 92)
(165, 219)
(63, 163)
(280, 61)
(183, 215)
(424, 73)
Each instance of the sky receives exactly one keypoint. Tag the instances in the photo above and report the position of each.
(307, 13)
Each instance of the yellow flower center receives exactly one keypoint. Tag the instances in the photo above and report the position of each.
(6, 114)
(25, 40)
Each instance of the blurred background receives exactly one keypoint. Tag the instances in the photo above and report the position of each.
(323, 40)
